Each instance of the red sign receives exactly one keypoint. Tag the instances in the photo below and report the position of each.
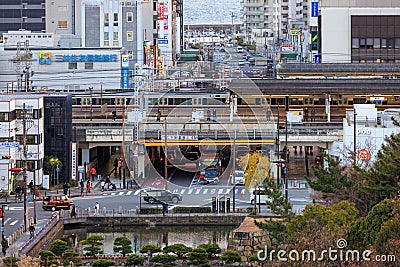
(161, 11)
(363, 154)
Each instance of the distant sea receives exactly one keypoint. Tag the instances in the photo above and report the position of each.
(211, 12)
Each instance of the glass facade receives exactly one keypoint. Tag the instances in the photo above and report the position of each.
(375, 39)
(58, 128)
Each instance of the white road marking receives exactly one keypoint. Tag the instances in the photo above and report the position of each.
(113, 194)
(129, 193)
(220, 191)
(197, 191)
(136, 192)
(212, 191)
(228, 191)
(121, 193)
(190, 191)
(14, 222)
(205, 191)
(183, 191)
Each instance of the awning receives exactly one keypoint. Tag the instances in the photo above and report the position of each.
(15, 169)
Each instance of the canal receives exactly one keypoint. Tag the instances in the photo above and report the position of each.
(191, 236)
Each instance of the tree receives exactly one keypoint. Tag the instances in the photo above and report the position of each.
(103, 263)
(164, 259)
(58, 247)
(277, 202)
(230, 256)
(256, 168)
(178, 249)
(364, 231)
(50, 164)
(382, 180)
(47, 258)
(92, 245)
(150, 249)
(10, 261)
(71, 256)
(122, 244)
(25, 261)
(198, 257)
(211, 249)
(134, 260)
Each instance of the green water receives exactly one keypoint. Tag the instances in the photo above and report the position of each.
(191, 236)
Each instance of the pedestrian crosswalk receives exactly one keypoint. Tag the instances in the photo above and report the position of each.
(184, 191)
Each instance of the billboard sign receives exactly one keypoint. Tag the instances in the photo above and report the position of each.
(314, 9)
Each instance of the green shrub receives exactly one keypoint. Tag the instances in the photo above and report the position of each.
(10, 261)
(103, 263)
(134, 260)
(145, 210)
(192, 209)
(164, 259)
(230, 256)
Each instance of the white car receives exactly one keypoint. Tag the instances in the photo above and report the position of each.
(239, 49)
(237, 177)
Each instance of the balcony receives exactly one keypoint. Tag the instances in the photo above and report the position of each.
(252, 4)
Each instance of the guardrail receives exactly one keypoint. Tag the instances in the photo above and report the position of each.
(40, 234)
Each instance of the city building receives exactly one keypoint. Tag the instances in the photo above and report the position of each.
(68, 70)
(359, 31)
(27, 14)
(367, 128)
(12, 120)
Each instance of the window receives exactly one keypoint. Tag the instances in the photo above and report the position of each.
(88, 65)
(62, 8)
(129, 36)
(130, 17)
(106, 20)
(33, 139)
(383, 43)
(115, 19)
(370, 42)
(106, 38)
(355, 43)
(4, 116)
(377, 43)
(72, 65)
(36, 114)
(115, 38)
(362, 43)
(62, 24)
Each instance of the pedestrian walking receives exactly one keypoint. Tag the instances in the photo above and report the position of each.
(73, 211)
(93, 172)
(306, 114)
(102, 184)
(214, 115)
(208, 114)
(31, 230)
(96, 208)
(31, 186)
(158, 115)
(313, 114)
(115, 166)
(65, 187)
(4, 245)
(82, 186)
(88, 187)
(268, 114)
(18, 193)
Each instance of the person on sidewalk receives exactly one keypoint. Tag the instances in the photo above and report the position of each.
(31, 187)
(73, 211)
(31, 230)
(4, 245)
(88, 187)
(102, 184)
(93, 173)
(18, 193)
(108, 182)
(82, 186)
(96, 208)
(65, 187)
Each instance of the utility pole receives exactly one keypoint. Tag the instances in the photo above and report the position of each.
(233, 175)
(355, 134)
(25, 151)
(165, 159)
(278, 149)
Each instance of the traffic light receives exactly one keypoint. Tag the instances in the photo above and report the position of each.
(1, 212)
(114, 115)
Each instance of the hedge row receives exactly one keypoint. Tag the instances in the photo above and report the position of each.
(192, 209)
(145, 210)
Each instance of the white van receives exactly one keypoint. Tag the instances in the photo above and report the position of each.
(239, 49)
(237, 177)
(260, 194)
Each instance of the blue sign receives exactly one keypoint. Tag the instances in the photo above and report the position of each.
(314, 9)
(125, 78)
(87, 58)
(9, 144)
(57, 169)
(163, 41)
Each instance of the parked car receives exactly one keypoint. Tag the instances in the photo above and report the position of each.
(239, 49)
(160, 195)
(56, 202)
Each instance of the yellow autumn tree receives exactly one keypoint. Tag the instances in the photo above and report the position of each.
(256, 168)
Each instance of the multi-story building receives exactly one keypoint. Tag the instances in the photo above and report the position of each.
(27, 14)
(257, 19)
(359, 31)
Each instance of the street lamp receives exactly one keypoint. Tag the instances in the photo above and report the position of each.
(355, 134)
